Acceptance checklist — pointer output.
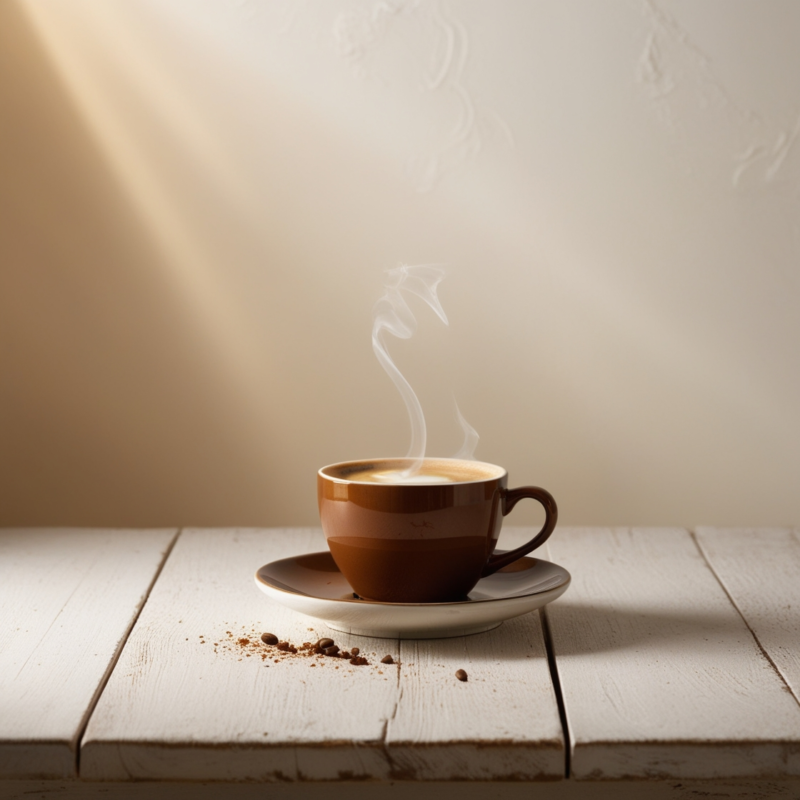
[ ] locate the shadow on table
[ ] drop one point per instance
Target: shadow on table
(581, 628)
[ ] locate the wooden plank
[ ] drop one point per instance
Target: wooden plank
(178, 709)
(660, 676)
(404, 790)
(760, 570)
(502, 724)
(67, 600)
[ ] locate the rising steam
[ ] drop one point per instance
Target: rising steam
(392, 314)
(467, 451)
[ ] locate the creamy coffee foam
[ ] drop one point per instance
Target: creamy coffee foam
(400, 471)
(395, 476)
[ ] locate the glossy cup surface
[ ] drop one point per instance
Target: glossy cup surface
(411, 543)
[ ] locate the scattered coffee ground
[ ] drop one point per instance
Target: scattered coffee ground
(272, 651)
(251, 643)
(461, 675)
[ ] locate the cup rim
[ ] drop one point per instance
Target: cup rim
(500, 472)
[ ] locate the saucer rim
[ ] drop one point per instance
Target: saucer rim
(363, 601)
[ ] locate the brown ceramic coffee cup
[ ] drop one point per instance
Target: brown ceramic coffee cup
(422, 538)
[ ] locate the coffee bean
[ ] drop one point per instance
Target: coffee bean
(323, 643)
(345, 654)
(355, 651)
(387, 660)
(331, 651)
(461, 675)
(269, 638)
(358, 661)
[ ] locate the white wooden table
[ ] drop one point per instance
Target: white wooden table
(671, 668)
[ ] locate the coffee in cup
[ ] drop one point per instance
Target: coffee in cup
(402, 531)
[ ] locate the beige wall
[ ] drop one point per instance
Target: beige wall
(198, 200)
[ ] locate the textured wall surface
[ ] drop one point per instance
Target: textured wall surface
(200, 198)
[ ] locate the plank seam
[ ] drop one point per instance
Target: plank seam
(384, 744)
(115, 658)
(733, 602)
(562, 708)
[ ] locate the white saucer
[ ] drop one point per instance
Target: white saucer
(313, 585)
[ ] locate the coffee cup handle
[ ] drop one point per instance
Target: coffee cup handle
(509, 499)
